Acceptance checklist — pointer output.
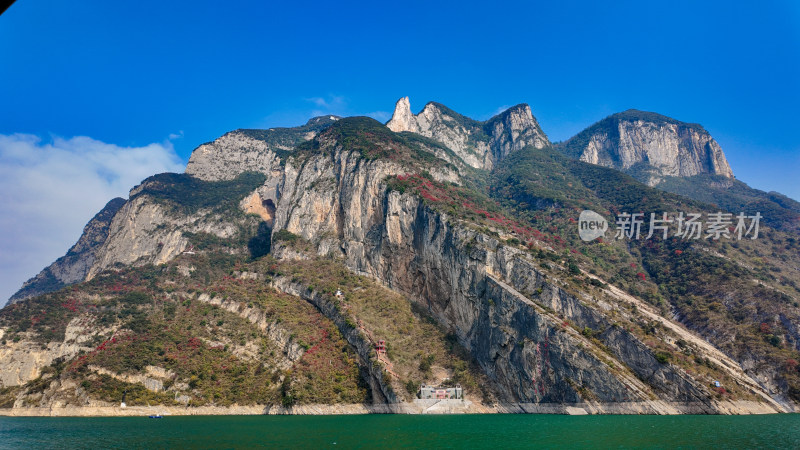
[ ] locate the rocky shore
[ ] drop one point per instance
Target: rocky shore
(418, 407)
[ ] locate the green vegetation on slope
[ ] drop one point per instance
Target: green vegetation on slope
(740, 295)
(292, 136)
(372, 140)
(188, 194)
(154, 316)
(779, 211)
(715, 286)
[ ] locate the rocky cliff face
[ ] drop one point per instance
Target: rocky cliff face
(77, 263)
(496, 301)
(231, 154)
(538, 338)
(479, 144)
(251, 150)
(144, 232)
(23, 360)
(139, 231)
(650, 146)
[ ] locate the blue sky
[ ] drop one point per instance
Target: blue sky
(164, 77)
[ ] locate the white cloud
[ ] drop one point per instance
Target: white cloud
(49, 190)
(319, 101)
(330, 104)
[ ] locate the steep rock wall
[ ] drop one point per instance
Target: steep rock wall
(473, 287)
(144, 231)
(669, 149)
(228, 156)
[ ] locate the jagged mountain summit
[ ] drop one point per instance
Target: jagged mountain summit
(649, 145)
(479, 144)
(348, 262)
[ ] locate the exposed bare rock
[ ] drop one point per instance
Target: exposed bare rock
(23, 361)
(153, 381)
(232, 154)
(291, 351)
(262, 208)
(539, 339)
(649, 146)
(479, 144)
(403, 119)
(144, 231)
(382, 388)
(475, 287)
(251, 150)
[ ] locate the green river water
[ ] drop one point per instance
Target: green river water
(404, 431)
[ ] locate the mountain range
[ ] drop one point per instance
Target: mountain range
(349, 262)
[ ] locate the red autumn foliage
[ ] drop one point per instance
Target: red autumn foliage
(456, 198)
(71, 305)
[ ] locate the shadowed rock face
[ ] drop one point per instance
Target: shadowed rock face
(75, 265)
(649, 146)
(479, 144)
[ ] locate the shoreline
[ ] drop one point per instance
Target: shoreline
(418, 407)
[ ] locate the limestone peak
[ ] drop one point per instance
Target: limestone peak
(402, 118)
(479, 144)
(649, 146)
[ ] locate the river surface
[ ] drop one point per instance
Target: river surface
(496, 431)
